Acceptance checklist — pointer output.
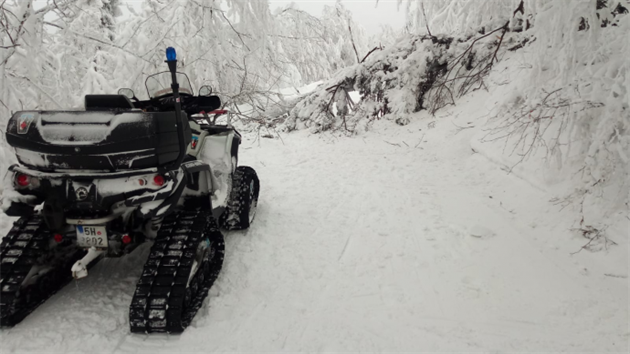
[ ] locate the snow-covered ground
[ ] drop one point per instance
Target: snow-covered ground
(400, 239)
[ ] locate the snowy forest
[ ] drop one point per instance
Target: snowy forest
(539, 88)
(568, 112)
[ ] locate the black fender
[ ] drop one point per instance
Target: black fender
(199, 186)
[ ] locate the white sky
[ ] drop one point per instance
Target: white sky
(364, 12)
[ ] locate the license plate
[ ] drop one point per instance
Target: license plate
(91, 236)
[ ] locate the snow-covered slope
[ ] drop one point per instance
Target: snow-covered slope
(401, 239)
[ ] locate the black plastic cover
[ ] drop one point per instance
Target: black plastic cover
(103, 140)
(107, 102)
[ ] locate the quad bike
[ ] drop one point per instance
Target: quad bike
(100, 182)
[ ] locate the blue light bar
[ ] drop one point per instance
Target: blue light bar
(171, 55)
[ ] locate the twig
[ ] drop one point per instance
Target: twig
(586, 230)
(616, 276)
(494, 56)
(5, 106)
(584, 247)
(459, 128)
(53, 25)
(370, 52)
(421, 140)
(235, 31)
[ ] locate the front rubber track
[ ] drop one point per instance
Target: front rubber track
(243, 201)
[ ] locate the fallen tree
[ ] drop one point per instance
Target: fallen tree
(418, 72)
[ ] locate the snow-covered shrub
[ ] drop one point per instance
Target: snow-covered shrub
(572, 111)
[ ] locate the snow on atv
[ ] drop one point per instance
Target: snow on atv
(98, 183)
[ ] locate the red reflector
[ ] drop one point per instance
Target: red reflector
(23, 180)
(158, 180)
(58, 238)
(142, 182)
(126, 239)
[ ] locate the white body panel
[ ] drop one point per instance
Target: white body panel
(216, 151)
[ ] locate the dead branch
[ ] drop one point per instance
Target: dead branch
(593, 234)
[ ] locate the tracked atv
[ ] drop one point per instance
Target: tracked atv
(100, 182)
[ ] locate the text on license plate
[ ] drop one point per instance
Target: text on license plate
(91, 236)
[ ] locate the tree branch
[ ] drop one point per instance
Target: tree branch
(425, 19)
(370, 52)
(235, 31)
(54, 6)
(353, 46)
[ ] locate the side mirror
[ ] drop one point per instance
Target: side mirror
(205, 90)
(127, 92)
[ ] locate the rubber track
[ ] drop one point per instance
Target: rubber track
(239, 201)
(162, 301)
(25, 246)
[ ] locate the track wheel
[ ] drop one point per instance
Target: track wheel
(241, 209)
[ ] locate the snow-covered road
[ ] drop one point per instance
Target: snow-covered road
(401, 240)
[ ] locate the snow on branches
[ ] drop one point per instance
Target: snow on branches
(571, 109)
(54, 54)
(319, 46)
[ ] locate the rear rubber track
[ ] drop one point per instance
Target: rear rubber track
(167, 297)
(30, 270)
